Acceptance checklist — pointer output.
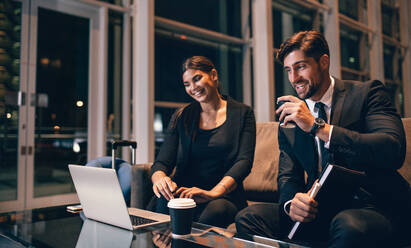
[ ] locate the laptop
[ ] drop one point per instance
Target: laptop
(97, 234)
(101, 198)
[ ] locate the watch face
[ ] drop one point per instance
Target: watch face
(319, 121)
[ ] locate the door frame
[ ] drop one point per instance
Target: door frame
(96, 126)
(98, 17)
(18, 204)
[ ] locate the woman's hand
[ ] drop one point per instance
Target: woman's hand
(163, 185)
(197, 194)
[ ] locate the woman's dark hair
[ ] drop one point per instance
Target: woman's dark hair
(192, 110)
(198, 63)
(312, 43)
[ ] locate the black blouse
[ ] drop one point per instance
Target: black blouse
(206, 159)
(227, 150)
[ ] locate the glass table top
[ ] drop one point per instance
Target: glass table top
(55, 227)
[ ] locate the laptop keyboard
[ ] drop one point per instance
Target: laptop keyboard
(137, 220)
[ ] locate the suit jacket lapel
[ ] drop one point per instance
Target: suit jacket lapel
(337, 102)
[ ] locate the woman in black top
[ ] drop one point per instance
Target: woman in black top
(210, 142)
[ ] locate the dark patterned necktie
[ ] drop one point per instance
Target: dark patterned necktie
(324, 151)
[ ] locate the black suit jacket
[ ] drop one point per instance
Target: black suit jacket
(175, 150)
(368, 135)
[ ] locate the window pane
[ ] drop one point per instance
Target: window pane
(222, 16)
(396, 94)
(354, 49)
(348, 75)
(286, 23)
(393, 76)
(170, 54)
(161, 120)
(10, 37)
(389, 52)
(390, 19)
(349, 8)
(116, 2)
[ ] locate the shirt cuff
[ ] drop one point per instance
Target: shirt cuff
(327, 144)
(287, 207)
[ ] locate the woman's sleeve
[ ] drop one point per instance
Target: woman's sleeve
(245, 156)
(166, 158)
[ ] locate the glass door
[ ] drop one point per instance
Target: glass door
(62, 55)
(61, 94)
(51, 67)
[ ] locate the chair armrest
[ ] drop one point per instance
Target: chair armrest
(141, 186)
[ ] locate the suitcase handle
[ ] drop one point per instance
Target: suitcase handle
(120, 143)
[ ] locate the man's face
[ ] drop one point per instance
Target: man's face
(304, 73)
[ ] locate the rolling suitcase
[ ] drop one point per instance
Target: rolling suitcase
(122, 168)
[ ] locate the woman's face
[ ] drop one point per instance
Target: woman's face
(201, 86)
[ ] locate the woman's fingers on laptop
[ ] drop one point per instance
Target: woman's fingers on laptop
(155, 190)
(164, 192)
(160, 190)
(165, 186)
(172, 186)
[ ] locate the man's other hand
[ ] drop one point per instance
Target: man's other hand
(303, 208)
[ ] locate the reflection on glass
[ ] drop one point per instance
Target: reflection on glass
(10, 27)
(96, 234)
(61, 100)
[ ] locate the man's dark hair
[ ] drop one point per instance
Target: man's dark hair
(312, 43)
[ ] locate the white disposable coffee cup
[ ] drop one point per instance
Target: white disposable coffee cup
(181, 214)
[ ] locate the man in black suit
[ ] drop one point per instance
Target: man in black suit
(351, 124)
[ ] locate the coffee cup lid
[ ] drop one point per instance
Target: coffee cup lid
(181, 203)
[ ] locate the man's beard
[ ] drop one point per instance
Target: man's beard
(312, 89)
(310, 93)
